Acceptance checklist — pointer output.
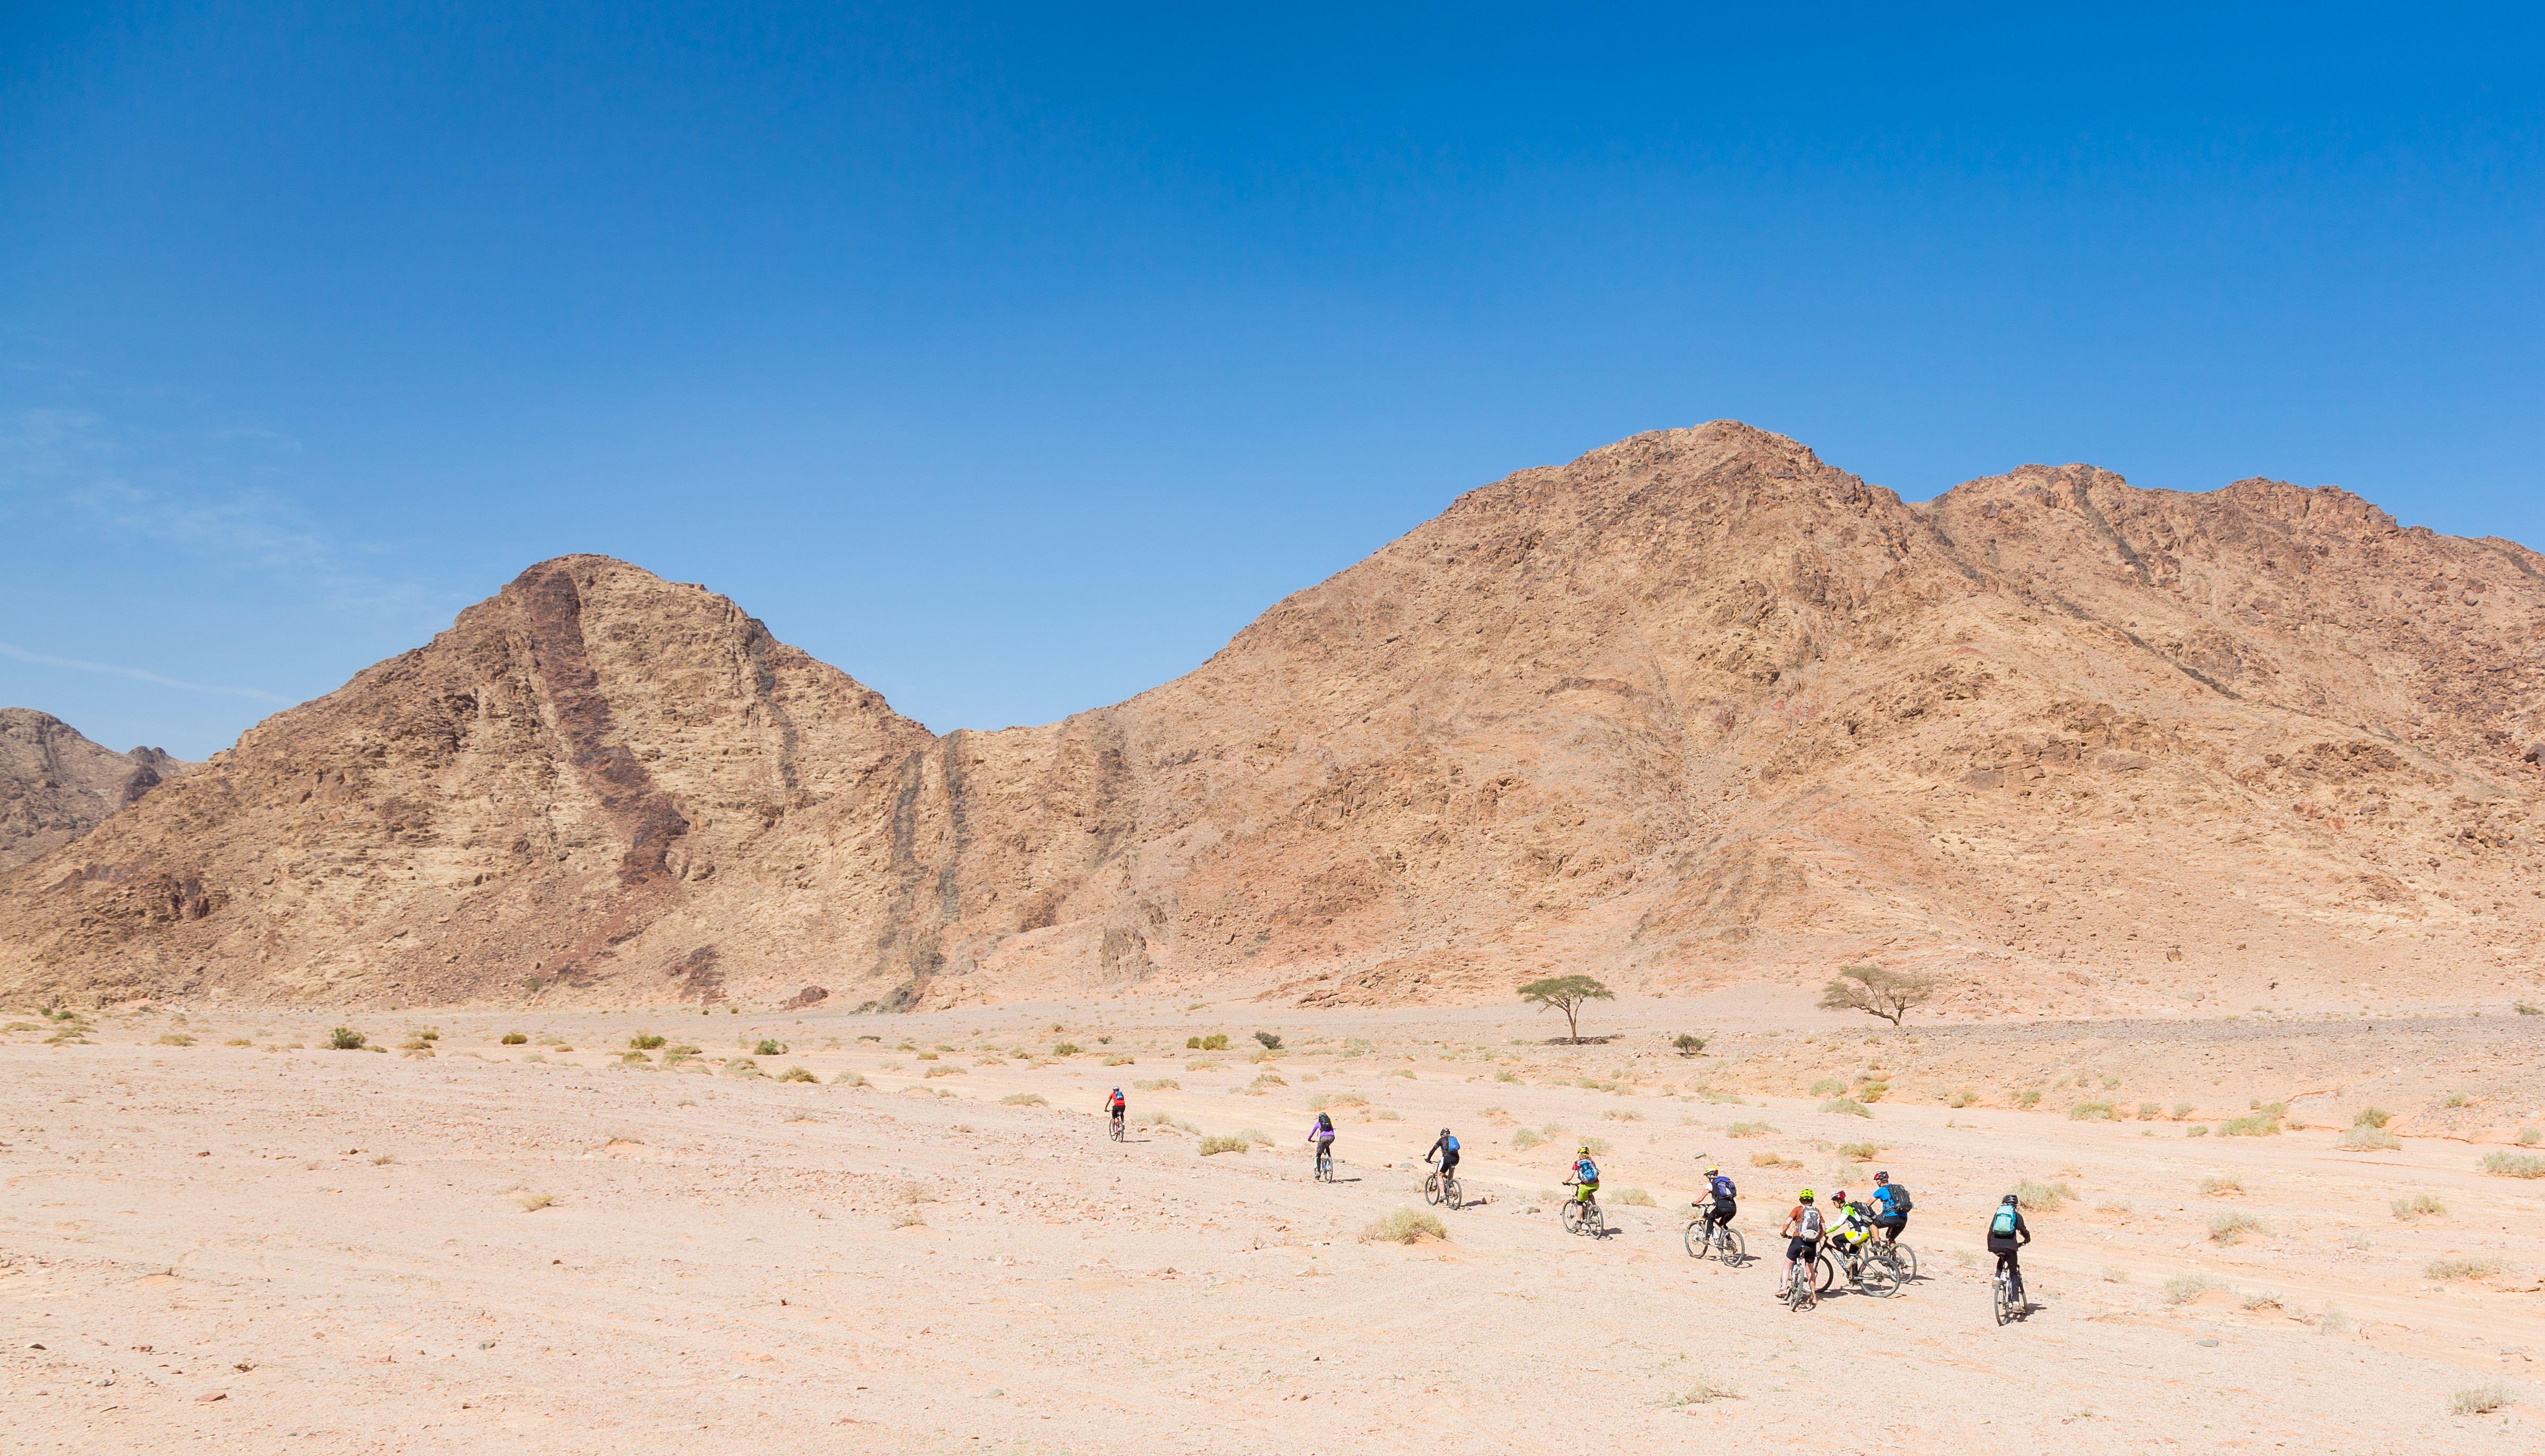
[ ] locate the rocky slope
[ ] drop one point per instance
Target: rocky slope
(1693, 708)
(55, 785)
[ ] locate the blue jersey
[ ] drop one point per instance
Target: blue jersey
(1888, 1195)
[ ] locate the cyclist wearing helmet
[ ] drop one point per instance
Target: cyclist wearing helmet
(1445, 1153)
(1890, 1207)
(1586, 1174)
(1719, 1214)
(1114, 1106)
(1803, 1229)
(2007, 1233)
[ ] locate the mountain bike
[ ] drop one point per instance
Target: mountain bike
(1902, 1256)
(1870, 1271)
(1582, 1216)
(1799, 1292)
(1116, 1131)
(2005, 1297)
(1324, 1162)
(1440, 1190)
(1721, 1240)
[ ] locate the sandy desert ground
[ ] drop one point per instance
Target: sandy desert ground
(933, 1247)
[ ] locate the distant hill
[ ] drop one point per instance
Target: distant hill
(1692, 710)
(55, 785)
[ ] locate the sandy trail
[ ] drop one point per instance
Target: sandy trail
(337, 1245)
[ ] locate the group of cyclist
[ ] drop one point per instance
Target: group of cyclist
(1882, 1214)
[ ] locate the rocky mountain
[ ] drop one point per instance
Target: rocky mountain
(1693, 709)
(55, 785)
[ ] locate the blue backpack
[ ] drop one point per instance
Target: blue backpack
(1723, 1188)
(1449, 1144)
(2004, 1223)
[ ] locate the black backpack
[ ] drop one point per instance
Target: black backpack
(1904, 1205)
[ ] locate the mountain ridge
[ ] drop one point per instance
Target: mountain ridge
(1692, 710)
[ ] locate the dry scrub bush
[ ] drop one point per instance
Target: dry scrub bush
(2150, 1111)
(175, 1038)
(1827, 1086)
(1962, 1097)
(2371, 1117)
(1387, 1114)
(798, 1074)
(1748, 1130)
(1404, 1226)
(941, 1071)
(1638, 1197)
(1064, 1048)
(2044, 1197)
(1117, 1059)
(1623, 1114)
(2258, 1125)
(1024, 1100)
(2184, 1288)
(1772, 1160)
(1212, 1145)
(1525, 1139)
(849, 1079)
(1860, 1152)
(1159, 1083)
(533, 1203)
(346, 1040)
(2482, 1399)
(2419, 1205)
(769, 1046)
(645, 1041)
(1846, 1106)
(2092, 1112)
(2514, 1164)
(2367, 1140)
(1706, 1392)
(2231, 1228)
(2448, 1269)
(2215, 1186)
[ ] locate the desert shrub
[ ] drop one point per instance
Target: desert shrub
(2150, 1111)
(1505, 1075)
(2419, 1205)
(2231, 1228)
(769, 1047)
(1117, 1059)
(2195, 1131)
(533, 1203)
(2031, 1098)
(798, 1074)
(1827, 1086)
(1706, 1392)
(1323, 1100)
(175, 1038)
(2482, 1399)
(1064, 1048)
(1262, 1084)
(2514, 1164)
(2527, 1008)
(2371, 1117)
(1687, 1044)
(942, 1071)
(346, 1040)
(1962, 1097)
(2365, 1139)
(1623, 1114)
(2258, 1125)
(2448, 1269)
(1387, 1114)
(1873, 1091)
(928, 1056)
(2214, 1187)
(1860, 1152)
(1256, 1136)
(1846, 1106)
(1405, 1072)
(1404, 1226)
(1272, 1041)
(1217, 1041)
(2453, 1100)
(1212, 1144)
(1024, 1100)
(1748, 1130)
(1159, 1083)
(645, 1041)
(2184, 1288)
(1525, 1139)
(1636, 1196)
(2092, 1112)
(2047, 1197)
(2255, 1304)
(1772, 1160)
(2527, 1136)
(240, 1041)
(515, 1038)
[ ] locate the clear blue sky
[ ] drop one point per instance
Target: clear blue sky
(1012, 359)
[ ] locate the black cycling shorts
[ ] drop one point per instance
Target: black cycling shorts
(1802, 1248)
(1894, 1222)
(1449, 1163)
(1721, 1212)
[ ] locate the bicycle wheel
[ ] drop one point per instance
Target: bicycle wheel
(1728, 1247)
(1904, 1259)
(1432, 1188)
(1593, 1222)
(1117, 1133)
(1454, 1197)
(1879, 1277)
(1572, 1216)
(1824, 1274)
(1694, 1238)
(1999, 1301)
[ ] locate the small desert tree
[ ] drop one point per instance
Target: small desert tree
(1876, 991)
(1567, 994)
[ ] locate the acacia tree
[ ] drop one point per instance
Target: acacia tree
(1567, 994)
(1876, 991)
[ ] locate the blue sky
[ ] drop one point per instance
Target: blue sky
(1013, 359)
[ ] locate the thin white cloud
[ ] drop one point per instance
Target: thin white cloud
(20, 654)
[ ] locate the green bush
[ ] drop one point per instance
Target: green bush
(1687, 1044)
(1272, 1041)
(346, 1040)
(797, 1073)
(2044, 1197)
(1860, 1152)
(2258, 1125)
(515, 1038)
(768, 1047)
(1064, 1049)
(645, 1041)
(2092, 1112)
(2371, 1117)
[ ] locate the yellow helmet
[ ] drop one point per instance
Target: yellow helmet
(1807, 1195)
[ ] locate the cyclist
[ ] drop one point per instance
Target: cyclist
(1891, 1207)
(1803, 1229)
(2007, 1233)
(1586, 1174)
(1115, 1107)
(1321, 1135)
(1445, 1153)
(1719, 1214)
